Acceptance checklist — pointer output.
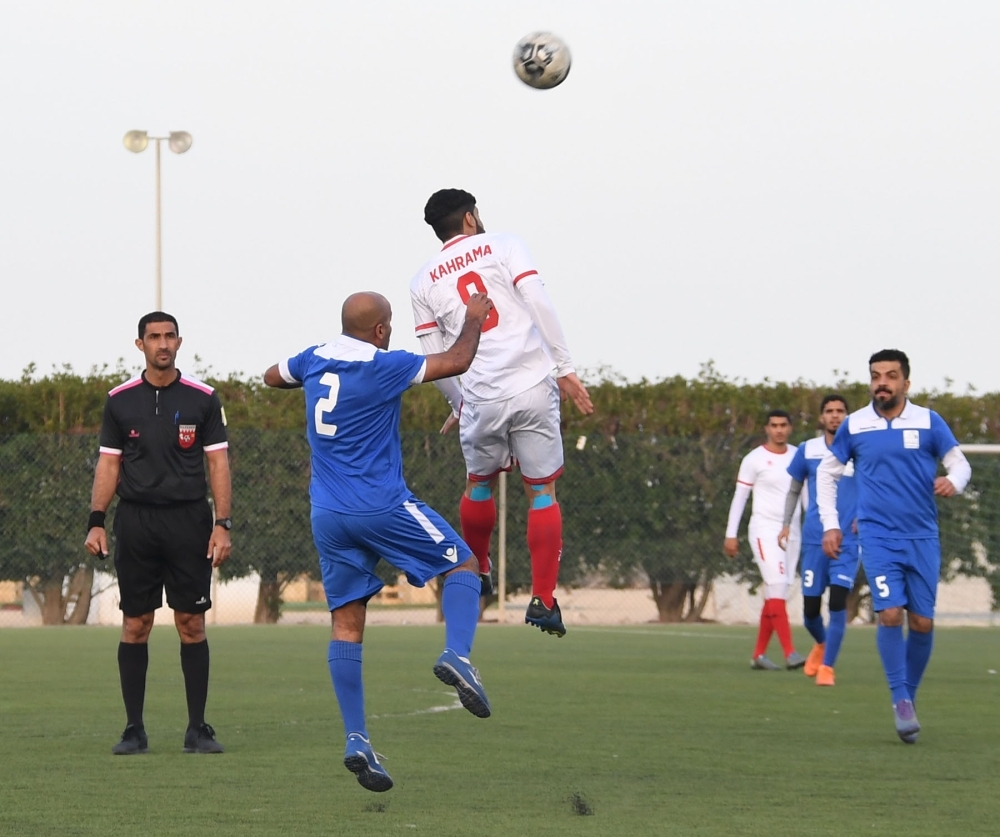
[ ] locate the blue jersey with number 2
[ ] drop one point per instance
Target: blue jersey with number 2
(353, 394)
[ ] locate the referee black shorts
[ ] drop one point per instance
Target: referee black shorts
(163, 546)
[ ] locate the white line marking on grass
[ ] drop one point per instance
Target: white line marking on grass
(431, 710)
(687, 634)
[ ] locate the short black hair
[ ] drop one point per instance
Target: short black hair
(779, 414)
(833, 396)
(445, 210)
(891, 355)
(156, 317)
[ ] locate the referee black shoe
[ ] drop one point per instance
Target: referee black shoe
(201, 739)
(134, 741)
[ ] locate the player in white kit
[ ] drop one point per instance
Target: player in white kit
(764, 473)
(507, 404)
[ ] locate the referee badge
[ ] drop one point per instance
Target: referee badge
(185, 434)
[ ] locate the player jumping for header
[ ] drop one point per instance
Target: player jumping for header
(362, 509)
(764, 471)
(895, 446)
(818, 572)
(507, 404)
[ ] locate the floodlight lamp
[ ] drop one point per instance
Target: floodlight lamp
(136, 141)
(180, 141)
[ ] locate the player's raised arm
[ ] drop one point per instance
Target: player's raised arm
(459, 357)
(274, 378)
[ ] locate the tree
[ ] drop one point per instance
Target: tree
(45, 483)
(273, 537)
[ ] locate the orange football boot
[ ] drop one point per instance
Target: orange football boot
(814, 660)
(824, 677)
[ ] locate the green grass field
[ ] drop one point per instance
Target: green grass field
(630, 731)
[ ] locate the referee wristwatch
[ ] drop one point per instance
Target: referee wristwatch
(225, 522)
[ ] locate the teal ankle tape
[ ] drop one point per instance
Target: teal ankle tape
(481, 492)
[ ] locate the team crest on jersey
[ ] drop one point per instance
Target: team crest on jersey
(186, 434)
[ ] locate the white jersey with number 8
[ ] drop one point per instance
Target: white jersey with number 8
(512, 357)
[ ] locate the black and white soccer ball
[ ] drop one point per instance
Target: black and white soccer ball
(541, 60)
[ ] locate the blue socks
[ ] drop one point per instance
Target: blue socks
(814, 624)
(892, 650)
(345, 671)
(460, 606)
(918, 653)
(834, 636)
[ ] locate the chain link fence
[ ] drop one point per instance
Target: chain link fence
(644, 518)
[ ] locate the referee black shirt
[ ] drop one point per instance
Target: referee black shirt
(161, 434)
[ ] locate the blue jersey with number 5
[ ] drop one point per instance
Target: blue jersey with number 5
(353, 394)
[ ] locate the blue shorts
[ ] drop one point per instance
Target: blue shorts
(412, 537)
(819, 572)
(903, 573)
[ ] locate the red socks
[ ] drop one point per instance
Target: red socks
(545, 547)
(774, 619)
(766, 629)
(478, 518)
(779, 617)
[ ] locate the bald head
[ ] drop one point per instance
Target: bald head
(366, 316)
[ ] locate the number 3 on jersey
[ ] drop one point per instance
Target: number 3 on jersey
(326, 405)
(472, 283)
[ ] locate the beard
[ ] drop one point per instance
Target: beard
(887, 400)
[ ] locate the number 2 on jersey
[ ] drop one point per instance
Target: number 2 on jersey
(326, 405)
(472, 283)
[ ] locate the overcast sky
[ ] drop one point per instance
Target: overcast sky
(782, 187)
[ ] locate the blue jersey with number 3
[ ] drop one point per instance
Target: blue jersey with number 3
(803, 469)
(895, 463)
(353, 394)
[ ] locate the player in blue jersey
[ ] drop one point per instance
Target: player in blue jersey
(362, 509)
(895, 446)
(818, 572)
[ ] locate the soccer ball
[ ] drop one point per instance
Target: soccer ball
(541, 60)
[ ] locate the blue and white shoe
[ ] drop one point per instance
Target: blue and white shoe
(907, 725)
(459, 672)
(362, 761)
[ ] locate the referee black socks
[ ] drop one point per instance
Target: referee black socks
(133, 660)
(194, 664)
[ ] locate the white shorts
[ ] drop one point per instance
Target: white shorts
(524, 429)
(776, 565)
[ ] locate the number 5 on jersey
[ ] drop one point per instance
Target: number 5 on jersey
(472, 283)
(326, 405)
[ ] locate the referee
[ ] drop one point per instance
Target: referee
(158, 429)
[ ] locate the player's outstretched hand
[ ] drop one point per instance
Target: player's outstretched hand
(219, 546)
(944, 487)
(478, 308)
(97, 542)
(449, 423)
(832, 538)
(731, 546)
(571, 387)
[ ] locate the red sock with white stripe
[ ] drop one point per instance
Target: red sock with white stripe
(779, 615)
(766, 629)
(478, 517)
(545, 547)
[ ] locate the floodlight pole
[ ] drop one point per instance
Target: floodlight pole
(178, 142)
(159, 234)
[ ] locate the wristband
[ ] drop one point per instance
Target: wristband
(96, 519)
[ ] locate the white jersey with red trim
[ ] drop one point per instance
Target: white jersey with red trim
(512, 357)
(766, 473)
